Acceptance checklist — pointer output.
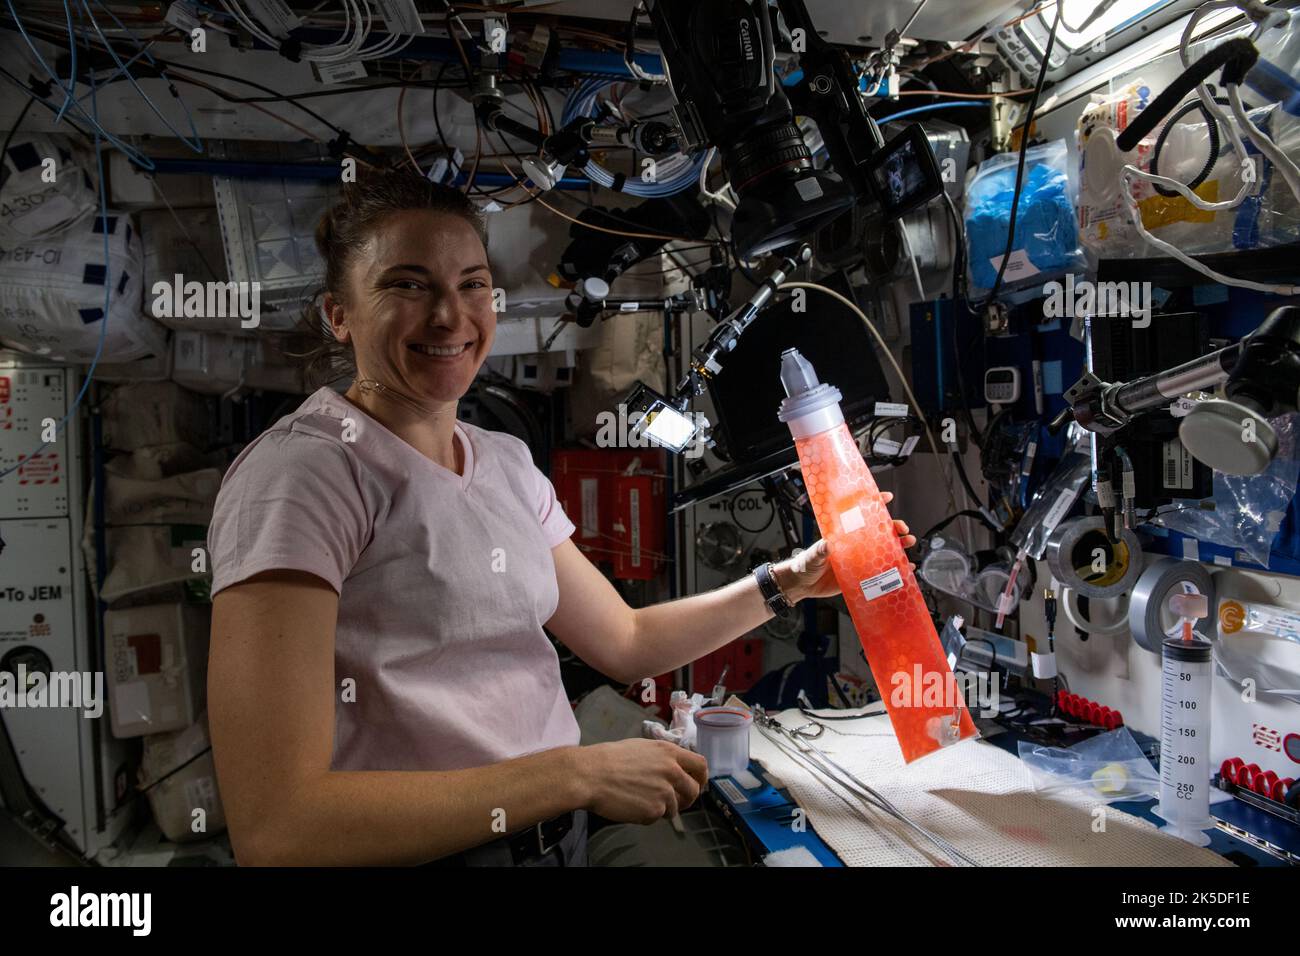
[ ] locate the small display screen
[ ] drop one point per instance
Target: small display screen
(652, 418)
(904, 174)
(668, 428)
(901, 177)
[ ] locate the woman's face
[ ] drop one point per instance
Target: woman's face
(418, 306)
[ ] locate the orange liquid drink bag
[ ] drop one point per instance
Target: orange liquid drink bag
(923, 698)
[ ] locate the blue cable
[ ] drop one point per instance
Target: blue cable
(197, 144)
(930, 107)
(108, 293)
(129, 151)
(70, 101)
(72, 70)
(578, 104)
(72, 80)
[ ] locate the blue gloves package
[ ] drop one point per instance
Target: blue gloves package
(1046, 243)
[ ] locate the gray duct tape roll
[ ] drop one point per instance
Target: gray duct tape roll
(1072, 549)
(1070, 608)
(1149, 618)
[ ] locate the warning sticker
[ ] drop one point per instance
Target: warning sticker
(39, 470)
(881, 584)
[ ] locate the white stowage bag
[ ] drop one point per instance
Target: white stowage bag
(33, 207)
(1268, 216)
(178, 774)
(52, 294)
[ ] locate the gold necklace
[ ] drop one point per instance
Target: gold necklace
(379, 388)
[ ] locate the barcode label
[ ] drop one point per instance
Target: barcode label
(339, 72)
(881, 584)
(891, 410)
(1178, 466)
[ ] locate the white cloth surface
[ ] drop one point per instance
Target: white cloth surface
(974, 795)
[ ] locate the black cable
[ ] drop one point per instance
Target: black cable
(1049, 615)
(1235, 57)
(968, 513)
(175, 770)
(231, 98)
(1212, 127)
(9, 137)
(876, 430)
(959, 294)
(993, 651)
(965, 479)
(159, 64)
(1097, 11)
(35, 98)
(1024, 151)
(442, 138)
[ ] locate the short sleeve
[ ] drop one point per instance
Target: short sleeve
(292, 502)
(556, 525)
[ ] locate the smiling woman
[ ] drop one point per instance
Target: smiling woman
(348, 231)
(381, 688)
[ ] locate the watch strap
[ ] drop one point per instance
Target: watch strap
(773, 596)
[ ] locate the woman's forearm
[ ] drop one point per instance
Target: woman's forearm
(672, 634)
(359, 818)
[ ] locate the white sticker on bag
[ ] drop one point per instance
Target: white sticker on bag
(1018, 265)
(852, 520)
(1063, 504)
(881, 584)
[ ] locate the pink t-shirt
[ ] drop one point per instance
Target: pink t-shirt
(444, 582)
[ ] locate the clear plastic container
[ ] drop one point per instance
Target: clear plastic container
(923, 699)
(722, 738)
(1185, 739)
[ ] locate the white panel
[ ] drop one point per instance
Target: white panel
(37, 611)
(39, 488)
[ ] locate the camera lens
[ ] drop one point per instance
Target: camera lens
(770, 149)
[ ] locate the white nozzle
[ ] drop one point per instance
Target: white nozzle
(810, 406)
(797, 374)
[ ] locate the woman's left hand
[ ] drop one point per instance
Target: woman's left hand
(808, 573)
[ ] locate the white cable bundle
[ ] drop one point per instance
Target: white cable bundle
(358, 19)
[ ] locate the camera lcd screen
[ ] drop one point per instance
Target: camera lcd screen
(904, 174)
(901, 177)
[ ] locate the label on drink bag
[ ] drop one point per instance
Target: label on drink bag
(886, 582)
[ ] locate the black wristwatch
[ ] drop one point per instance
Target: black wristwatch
(775, 598)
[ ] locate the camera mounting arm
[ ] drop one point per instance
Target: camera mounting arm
(704, 360)
(1260, 376)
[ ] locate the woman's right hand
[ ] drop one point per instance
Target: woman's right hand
(641, 781)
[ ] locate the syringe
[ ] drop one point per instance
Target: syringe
(1185, 739)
